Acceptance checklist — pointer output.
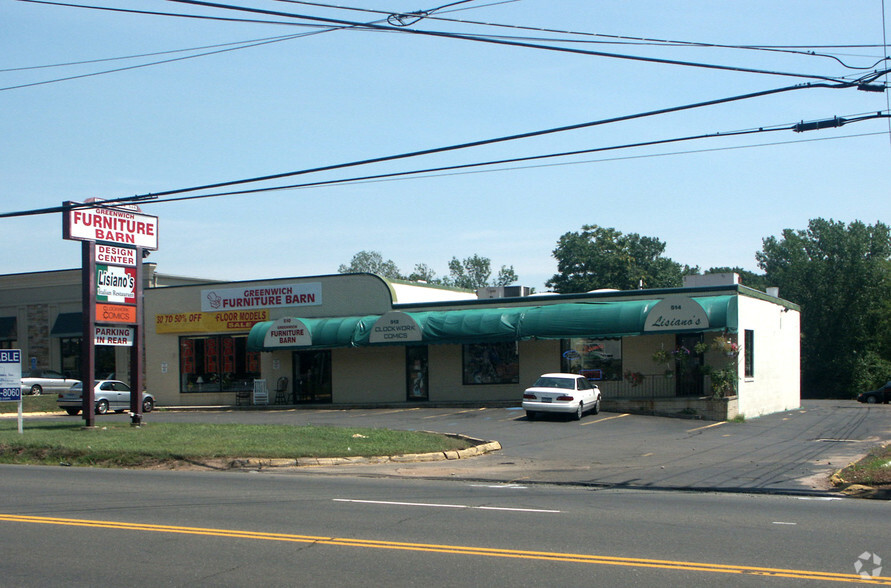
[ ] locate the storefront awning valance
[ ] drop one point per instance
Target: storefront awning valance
(68, 324)
(325, 333)
(7, 328)
(593, 319)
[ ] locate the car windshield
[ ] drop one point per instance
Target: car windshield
(562, 383)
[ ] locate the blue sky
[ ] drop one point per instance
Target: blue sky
(350, 95)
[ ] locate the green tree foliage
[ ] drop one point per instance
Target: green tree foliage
(840, 275)
(372, 262)
(471, 273)
(599, 257)
(474, 272)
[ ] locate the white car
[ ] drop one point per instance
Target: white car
(108, 395)
(562, 393)
(38, 381)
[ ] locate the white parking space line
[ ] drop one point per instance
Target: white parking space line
(707, 426)
(433, 505)
(618, 416)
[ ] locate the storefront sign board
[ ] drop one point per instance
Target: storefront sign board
(112, 255)
(116, 336)
(116, 313)
(222, 299)
(115, 284)
(395, 327)
(209, 322)
(676, 313)
(111, 225)
(288, 332)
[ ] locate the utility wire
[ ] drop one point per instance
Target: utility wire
(441, 34)
(467, 166)
(611, 39)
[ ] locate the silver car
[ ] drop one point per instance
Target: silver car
(38, 381)
(109, 395)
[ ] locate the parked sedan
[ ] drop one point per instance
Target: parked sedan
(882, 395)
(39, 381)
(561, 393)
(109, 395)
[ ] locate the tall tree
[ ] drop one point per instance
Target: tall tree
(599, 257)
(840, 276)
(474, 272)
(372, 262)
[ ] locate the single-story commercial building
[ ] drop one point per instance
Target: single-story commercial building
(713, 348)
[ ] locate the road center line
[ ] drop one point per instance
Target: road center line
(433, 505)
(464, 550)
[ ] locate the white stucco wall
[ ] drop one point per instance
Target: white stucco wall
(776, 384)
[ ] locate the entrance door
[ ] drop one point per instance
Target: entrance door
(312, 377)
(688, 366)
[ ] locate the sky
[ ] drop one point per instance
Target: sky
(332, 95)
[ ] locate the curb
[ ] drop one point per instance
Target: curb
(858, 490)
(480, 447)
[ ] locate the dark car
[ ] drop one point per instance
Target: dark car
(882, 395)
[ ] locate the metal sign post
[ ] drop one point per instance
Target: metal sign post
(113, 240)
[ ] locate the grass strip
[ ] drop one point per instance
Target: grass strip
(122, 445)
(874, 469)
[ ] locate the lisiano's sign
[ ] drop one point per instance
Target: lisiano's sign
(307, 294)
(115, 284)
(676, 313)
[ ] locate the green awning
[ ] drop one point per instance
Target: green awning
(68, 324)
(324, 333)
(617, 318)
(7, 328)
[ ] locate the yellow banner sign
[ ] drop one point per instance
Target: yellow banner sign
(209, 322)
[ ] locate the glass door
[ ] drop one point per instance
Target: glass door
(312, 377)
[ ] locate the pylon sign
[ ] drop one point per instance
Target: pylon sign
(113, 239)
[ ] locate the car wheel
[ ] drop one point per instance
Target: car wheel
(530, 415)
(871, 399)
(596, 407)
(36, 390)
(147, 405)
(102, 407)
(578, 412)
(72, 411)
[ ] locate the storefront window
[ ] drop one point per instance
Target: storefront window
(416, 372)
(217, 363)
(491, 363)
(596, 359)
(70, 351)
(749, 354)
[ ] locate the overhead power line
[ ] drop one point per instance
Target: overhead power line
(479, 39)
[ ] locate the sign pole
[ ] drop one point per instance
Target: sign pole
(136, 350)
(88, 344)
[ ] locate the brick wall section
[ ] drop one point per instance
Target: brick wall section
(38, 334)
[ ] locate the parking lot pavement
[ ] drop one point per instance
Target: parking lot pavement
(794, 451)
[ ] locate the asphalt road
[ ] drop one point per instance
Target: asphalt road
(89, 527)
(790, 452)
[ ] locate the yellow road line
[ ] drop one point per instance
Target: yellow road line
(618, 416)
(458, 550)
(707, 426)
